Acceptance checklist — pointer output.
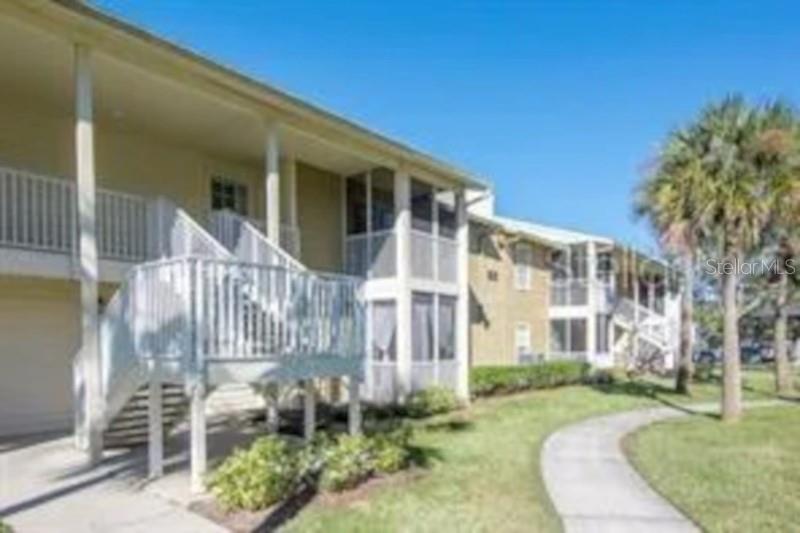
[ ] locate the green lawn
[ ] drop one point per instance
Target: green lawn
(727, 477)
(483, 472)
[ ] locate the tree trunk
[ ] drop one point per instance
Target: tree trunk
(731, 370)
(683, 377)
(783, 371)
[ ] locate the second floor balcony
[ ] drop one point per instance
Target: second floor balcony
(38, 214)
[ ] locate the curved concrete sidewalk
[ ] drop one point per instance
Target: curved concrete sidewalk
(595, 489)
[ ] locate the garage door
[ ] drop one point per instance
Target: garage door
(39, 333)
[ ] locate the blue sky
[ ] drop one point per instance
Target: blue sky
(560, 104)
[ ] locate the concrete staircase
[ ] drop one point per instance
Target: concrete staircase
(130, 426)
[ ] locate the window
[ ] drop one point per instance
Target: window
(446, 207)
(605, 266)
(422, 327)
(421, 206)
(601, 333)
(577, 259)
(577, 335)
(558, 265)
(384, 331)
(568, 335)
(523, 266)
(356, 200)
(228, 194)
(382, 189)
(559, 342)
(522, 342)
(447, 327)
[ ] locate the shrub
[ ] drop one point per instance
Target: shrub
(492, 380)
(5, 528)
(390, 451)
(606, 376)
(347, 463)
(270, 470)
(431, 401)
(256, 477)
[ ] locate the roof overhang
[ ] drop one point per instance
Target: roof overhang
(85, 24)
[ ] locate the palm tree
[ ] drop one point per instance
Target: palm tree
(738, 209)
(778, 159)
(673, 200)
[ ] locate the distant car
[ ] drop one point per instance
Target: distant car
(707, 356)
(750, 355)
(767, 354)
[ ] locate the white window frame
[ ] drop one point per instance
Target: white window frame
(522, 329)
(523, 266)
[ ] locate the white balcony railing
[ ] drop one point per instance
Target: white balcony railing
(569, 292)
(371, 255)
(40, 213)
(442, 373)
(433, 258)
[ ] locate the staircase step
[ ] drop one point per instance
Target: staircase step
(131, 425)
(142, 412)
(142, 422)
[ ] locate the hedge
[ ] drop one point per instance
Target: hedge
(431, 401)
(492, 380)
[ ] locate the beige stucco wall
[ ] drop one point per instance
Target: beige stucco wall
(39, 335)
(319, 214)
(496, 306)
(35, 371)
(40, 139)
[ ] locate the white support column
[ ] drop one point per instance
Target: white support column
(354, 406)
(87, 249)
(462, 308)
(198, 436)
(155, 448)
(272, 200)
(309, 409)
(591, 301)
(402, 199)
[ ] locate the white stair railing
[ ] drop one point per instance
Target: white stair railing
(190, 311)
(646, 321)
(176, 234)
(253, 311)
(146, 319)
(148, 313)
(248, 243)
